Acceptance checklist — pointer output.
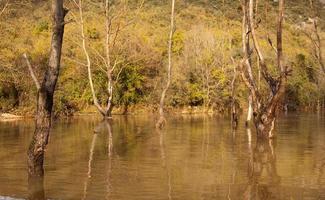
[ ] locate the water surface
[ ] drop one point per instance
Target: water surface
(195, 157)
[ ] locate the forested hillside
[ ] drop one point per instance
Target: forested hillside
(207, 37)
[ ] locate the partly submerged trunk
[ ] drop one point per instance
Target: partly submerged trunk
(250, 111)
(264, 125)
(265, 115)
(160, 123)
(234, 112)
(45, 94)
(40, 138)
(106, 112)
(264, 110)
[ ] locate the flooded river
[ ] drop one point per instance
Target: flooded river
(195, 157)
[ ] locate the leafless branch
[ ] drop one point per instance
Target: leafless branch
(75, 61)
(271, 44)
(4, 8)
(37, 84)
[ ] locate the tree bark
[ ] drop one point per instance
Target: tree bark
(109, 67)
(105, 111)
(250, 111)
(264, 112)
(45, 94)
(234, 114)
(160, 123)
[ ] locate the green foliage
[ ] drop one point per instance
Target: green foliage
(130, 85)
(205, 39)
(8, 97)
(42, 26)
(302, 90)
(195, 95)
(178, 42)
(93, 33)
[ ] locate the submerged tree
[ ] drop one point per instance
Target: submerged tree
(160, 123)
(112, 15)
(45, 92)
(104, 111)
(264, 110)
(234, 112)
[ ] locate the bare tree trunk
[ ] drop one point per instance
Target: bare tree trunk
(160, 123)
(105, 112)
(109, 106)
(264, 112)
(250, 111)
(234, 114)
(45, 94)
(84, 47)
(319, 46)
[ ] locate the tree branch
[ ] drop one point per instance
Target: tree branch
(31, 71)
(4, 8)
(271, 44)
(267, 76)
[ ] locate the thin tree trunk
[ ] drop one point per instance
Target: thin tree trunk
(108, 62)
(259, 74)
(250, 111)
(234, 115)
(104, 112)
(45, 94)
(162, 119)
(319, 47)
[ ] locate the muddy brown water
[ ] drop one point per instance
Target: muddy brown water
(195, 157)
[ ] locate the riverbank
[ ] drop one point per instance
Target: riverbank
(139, 109)
(10, 117)
(131, 110)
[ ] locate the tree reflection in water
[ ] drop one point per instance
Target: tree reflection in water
(109, 153)
(90, 160)
(164, 161)
(36, 188)
(262, 170)
(99, 128)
